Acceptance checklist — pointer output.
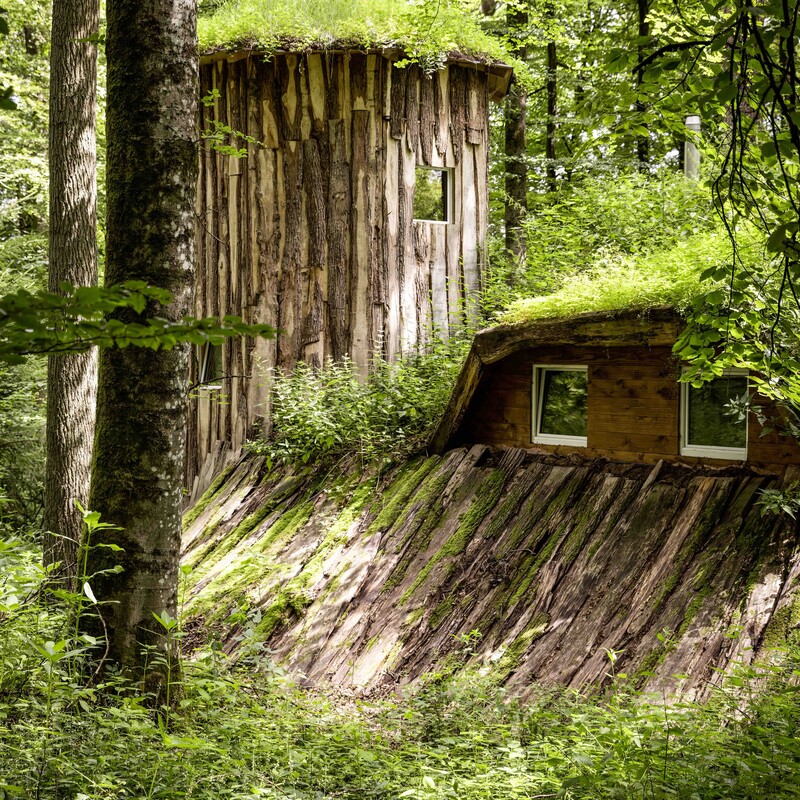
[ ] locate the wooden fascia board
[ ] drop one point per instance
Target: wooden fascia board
(657, 329)
(467, 383)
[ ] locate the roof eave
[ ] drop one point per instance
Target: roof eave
(499, 73)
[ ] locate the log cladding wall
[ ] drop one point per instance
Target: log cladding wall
(313, 231)
(633, 406)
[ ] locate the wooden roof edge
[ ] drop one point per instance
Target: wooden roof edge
(460, 398)
(499, 72)
(658, 326)
(655, 327)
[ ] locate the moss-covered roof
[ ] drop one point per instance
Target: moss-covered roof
(427, 32)
(663, 278)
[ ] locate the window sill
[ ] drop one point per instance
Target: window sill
(571, 441)
(723, 453)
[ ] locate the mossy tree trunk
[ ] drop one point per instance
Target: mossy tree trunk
(141, 410)
(71, 380)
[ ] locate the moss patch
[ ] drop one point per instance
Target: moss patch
(269, 24)
(514, 653)
(484, 500)
(202, 504)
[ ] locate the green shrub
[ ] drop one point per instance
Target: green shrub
(245, 730)
(323, 414)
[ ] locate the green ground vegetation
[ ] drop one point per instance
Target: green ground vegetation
(246, 730)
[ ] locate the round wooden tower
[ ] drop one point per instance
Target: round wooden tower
(355, 223)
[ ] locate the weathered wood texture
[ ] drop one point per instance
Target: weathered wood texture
(314, 233)
(551, 561)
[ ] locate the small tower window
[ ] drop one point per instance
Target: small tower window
(433, 194)
(714, 417)
(559, 405)
(210, 373)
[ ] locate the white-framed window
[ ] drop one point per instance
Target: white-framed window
(560, 395)
(433, 194)
(713, 417)
(209, 360)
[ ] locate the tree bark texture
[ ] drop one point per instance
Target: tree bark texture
(141, 410)
(72, 379)
(314, 233)
(516, 181)
(643, 30)
(552, 111)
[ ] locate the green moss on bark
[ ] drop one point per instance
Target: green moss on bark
(485, 498)
(202, 504)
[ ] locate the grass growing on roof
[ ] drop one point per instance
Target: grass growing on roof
(665, 277)
(425, 30)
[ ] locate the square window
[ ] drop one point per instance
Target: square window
(209, 358)
(560, 396)
(433, 194)
(713, 419)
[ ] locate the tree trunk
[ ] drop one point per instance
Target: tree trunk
(71, 380)
(516, 166)
(552, 111)
(643, 30)
(142, 396)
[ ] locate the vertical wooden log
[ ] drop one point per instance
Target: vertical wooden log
(407, 264)
(269, 133)
(412, 106)
(475, 123)
(469, 233)
(427, 117)
(361, 228)
(334, 67)
(422, 234)
(458, 103)
(316, 228)
(378, 279)
(438, 262)
(289, 296)
(441, 106)
(290, 93)
(397, 111)
(339, 200)
(217, 415)
(358, 81)
(234, 432)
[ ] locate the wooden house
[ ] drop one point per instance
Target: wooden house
(604, 385)
(355, 224)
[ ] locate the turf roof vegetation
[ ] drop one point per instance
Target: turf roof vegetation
(666, 277)
(426, 30)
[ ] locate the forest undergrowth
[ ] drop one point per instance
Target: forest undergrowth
(242, 728)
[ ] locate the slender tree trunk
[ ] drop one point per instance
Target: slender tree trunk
(643, 30)
(552, 111)
(516, 166)
(71, 380)
(142, 397)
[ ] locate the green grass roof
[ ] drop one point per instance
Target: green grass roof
(425, 30)
(666, 277)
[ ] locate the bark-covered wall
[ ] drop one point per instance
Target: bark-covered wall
(368, 582)
(313, 232)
